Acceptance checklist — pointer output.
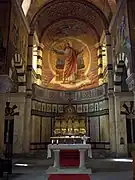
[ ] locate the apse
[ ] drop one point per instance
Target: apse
(70, 32)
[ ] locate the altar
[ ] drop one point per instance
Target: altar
(68, 146)
(73, 154)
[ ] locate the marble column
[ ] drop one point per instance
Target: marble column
(3, 99)
(110, 93)
(56, 158)
(39, 63)
(117, 118)
(27, 119)
(121, 132)
(82, 159)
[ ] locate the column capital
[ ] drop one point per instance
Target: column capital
(107, 32)
(82, 150)
(41, 45)
(98, 45)
(56, 150)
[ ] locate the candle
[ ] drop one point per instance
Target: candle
(57, 141)
(52, 141)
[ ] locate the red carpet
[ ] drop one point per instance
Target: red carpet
(69, 177)
(69, 158)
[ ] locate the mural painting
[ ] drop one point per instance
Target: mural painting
(69, 65)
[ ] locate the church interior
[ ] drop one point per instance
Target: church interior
(67, 70)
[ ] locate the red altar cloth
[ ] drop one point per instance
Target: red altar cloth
(69, 158)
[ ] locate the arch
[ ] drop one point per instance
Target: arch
(49, 4)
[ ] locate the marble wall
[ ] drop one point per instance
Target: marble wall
(45, 106)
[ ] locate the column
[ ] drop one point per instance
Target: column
(3, 100)
(56, 158)
(87, 124)
(27, 119)
(100, 65)
(82, 158)
(39, 63)
(121, 132)
(117, 118)
(110, 93)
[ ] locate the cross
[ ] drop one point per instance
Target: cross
(70, 96)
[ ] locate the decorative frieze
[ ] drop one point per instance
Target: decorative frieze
(54, 96)
(59, 108)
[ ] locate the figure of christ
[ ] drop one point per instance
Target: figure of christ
(70, 65)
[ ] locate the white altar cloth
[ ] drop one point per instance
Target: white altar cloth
(69, 146)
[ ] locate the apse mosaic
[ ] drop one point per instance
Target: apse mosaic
(70, 64)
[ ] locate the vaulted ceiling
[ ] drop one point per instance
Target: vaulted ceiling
(53, 19)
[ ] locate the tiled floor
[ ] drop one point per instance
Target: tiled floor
(102, 170)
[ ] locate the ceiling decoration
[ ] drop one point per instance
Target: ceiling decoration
(106, 6)
(72, 28)
(57, 11)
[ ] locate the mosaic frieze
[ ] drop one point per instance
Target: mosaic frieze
(54, 107)
(85, 108)
(43, 107)
(79, 108)
(58, 96)
(91, 107)
(60, 108)
(48, 108)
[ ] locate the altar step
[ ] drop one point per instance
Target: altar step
(42, 154)
(53, 170)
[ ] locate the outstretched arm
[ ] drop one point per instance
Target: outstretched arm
(57, 51)
(81, 50)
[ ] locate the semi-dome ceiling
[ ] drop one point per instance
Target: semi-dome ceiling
(72, 28)
(106, 6)
(69, 16)
(79, 22)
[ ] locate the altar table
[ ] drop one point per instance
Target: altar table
(57, 148)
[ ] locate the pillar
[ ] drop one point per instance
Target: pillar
(27, 119)
(82, 158)
(3, 100)
(100, 65)
(39, 63)
(56, 158)
(121, 132)
(110, 94)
